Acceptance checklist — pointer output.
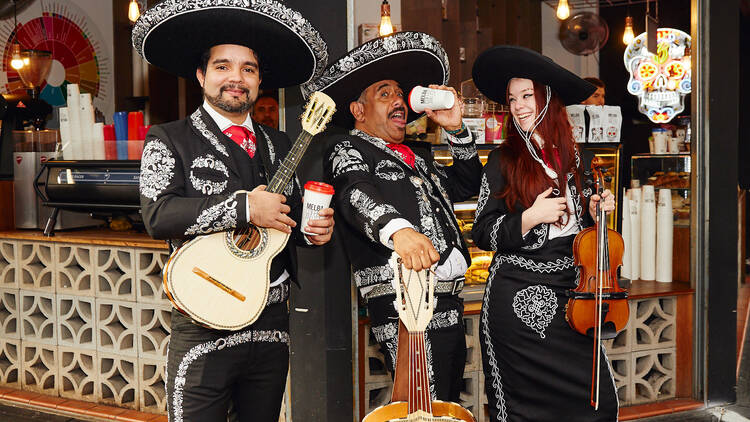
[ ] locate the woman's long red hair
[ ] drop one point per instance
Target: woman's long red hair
(525, 177)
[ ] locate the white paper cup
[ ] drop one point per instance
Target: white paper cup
(421, 98)
(317, 197)
(660, 142)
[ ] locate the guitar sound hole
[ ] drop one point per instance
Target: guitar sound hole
(247, 239)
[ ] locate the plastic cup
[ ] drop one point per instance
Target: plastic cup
(421, 98)
(317, 197)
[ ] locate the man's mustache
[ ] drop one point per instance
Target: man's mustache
(400, 108)
(234, 87)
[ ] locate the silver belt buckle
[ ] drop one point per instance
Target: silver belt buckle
(458, 285)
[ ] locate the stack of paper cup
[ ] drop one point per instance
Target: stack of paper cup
(635, 232)
(74, 121)
(65, 134)
(664, 235)
(648, 233)
(317, 197)
(627, 263)
(87, 126)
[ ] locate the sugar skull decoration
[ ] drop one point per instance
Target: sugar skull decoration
(661, 80)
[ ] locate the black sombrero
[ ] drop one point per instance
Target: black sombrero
(409, 58)
(173, 34)
(496, 66)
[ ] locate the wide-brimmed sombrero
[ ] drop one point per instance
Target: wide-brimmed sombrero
(173, 34)
(409, 58)
(496, 66)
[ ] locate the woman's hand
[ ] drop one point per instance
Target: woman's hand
(608, 205)
(544, 210)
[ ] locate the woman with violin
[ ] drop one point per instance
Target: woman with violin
(536, 195)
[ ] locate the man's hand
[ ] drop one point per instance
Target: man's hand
(322, 227)
(415, 249)
(449, 119)
(269, 210)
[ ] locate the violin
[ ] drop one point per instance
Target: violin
(598, 307)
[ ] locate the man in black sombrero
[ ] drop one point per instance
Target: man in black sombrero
(206, 173)
(396, 197)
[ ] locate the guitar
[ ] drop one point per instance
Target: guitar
(414, 302)
(209, 277)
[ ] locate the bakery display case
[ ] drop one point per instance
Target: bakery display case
(666, 171)
(610, 157)
(480, 260)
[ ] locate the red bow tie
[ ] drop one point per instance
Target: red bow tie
(243, 137)
(404, 152)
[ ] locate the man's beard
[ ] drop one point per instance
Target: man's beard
(228, 105)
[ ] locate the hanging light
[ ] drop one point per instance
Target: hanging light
(563, 10)
(386, 27)
(628, 35)
(15, 59)
(133, 11)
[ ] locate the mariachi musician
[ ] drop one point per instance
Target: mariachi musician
(395, 196)
(192, 171)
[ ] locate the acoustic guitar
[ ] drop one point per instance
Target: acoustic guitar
(415, 293)
(221, 280)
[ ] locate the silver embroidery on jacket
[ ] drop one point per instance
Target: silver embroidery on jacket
(495, 232)
(157, 169)
(535, 306)
(426, 219)
(548, 267)
(373, 275)
(369, 209)
(208, 187)
(388, 170)
(541, 236)
(463, 151)
(220, 217)
(484, 194)
(201, 126)
(494, 369)
(268, 336)
(345, 158)
(269, 145)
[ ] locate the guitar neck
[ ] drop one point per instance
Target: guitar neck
(419, 380)
(286, 170)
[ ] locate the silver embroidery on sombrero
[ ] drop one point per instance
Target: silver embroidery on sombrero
(376, 50)
(157, 169)
(291, 19)
(256, 336)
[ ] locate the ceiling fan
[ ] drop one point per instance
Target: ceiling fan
(584, 33)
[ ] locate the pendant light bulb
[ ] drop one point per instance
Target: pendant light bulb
(563, 10)
(628, 35)
(133, 11)
(386, 27)
(16, 62)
